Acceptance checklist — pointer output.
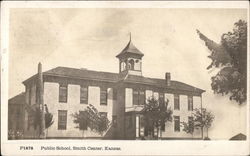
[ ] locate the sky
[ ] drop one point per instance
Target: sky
(91, 38)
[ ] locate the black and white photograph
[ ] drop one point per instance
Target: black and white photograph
(118, 73)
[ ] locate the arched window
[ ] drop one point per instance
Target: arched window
(123, 66)
(132, 64)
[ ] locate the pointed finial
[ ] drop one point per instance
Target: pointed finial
(129, 36)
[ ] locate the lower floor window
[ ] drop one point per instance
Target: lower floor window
(62, 119)
(176, 123)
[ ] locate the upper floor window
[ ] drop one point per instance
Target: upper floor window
(176, 102)
(142, 97)
(176, 123)
(190, 103)
(138, 97)
(63, 93)
(103, 96)
(62, 119)
(135, 97)
(161, 98)
(84, 94)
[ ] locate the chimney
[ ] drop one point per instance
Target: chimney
(168, 78)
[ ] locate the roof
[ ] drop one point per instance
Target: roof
(82, 74)
(175, 85)
(239, 136)
(18, 99)
(115, 77)
(130, 49)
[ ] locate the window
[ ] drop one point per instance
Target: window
(191, 122)
(176, 123)
(103, 96)
(190, 103)
(176, 102)
(132, 64)
(63, 93)
(138, 97)
(142, 98)
(84, 94)
(135, 97)
(161, 99)
(83, 125)
(62, 119)
(123, 66)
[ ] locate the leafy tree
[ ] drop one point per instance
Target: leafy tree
(201, 119)
(35, 113)
(230, 56)
(156, 114)
(188, 127)
(48, 118)
(91, 118)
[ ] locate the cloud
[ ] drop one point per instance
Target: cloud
(114, 23)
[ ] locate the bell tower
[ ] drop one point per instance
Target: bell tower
(130, 60)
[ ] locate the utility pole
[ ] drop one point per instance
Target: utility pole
(41, 102)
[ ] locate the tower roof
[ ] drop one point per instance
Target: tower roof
(130, 49)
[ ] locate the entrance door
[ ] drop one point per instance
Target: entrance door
(145, 128)
(150, 130)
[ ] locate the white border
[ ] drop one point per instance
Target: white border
(172, 147)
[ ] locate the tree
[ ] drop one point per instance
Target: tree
(156, 114)
(201, 119)
(35, 113)
(91, 118)
(188, 127)
(48, 118)
(230, 56)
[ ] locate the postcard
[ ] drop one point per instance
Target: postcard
(125, 78)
